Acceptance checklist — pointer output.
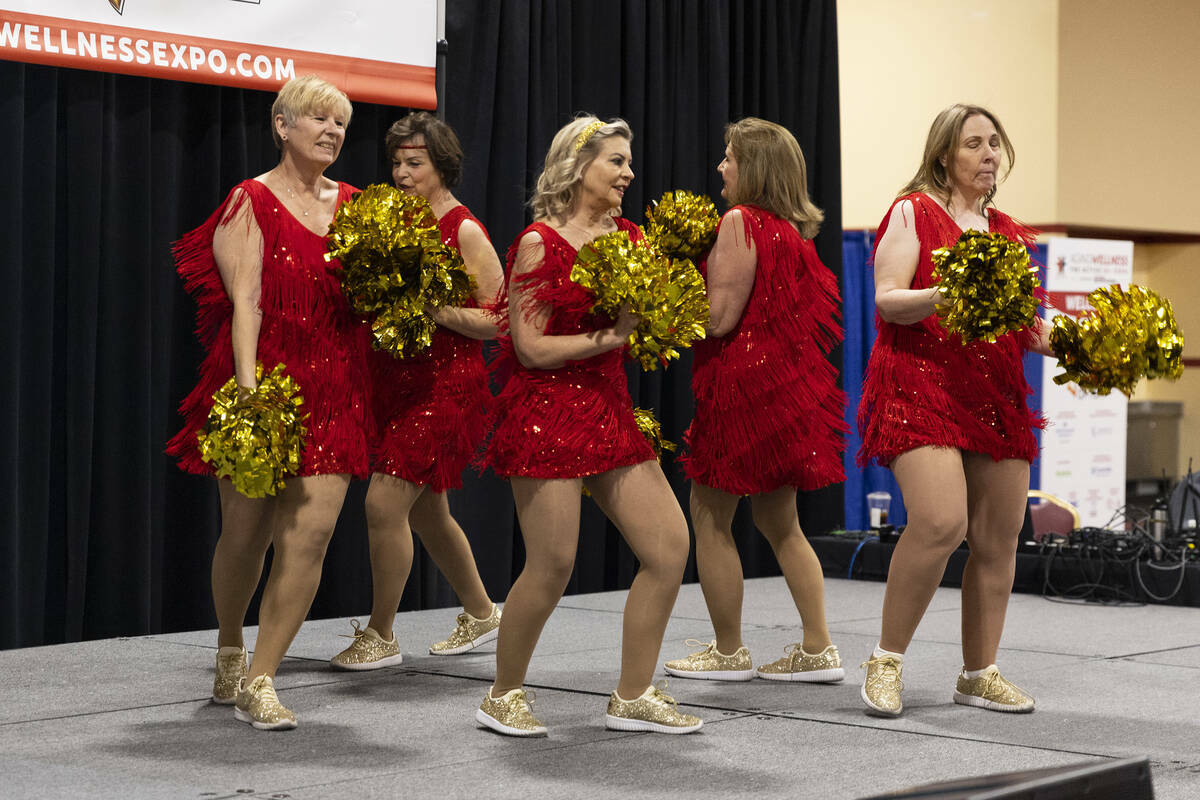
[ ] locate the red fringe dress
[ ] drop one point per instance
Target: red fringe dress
(574, 420)
(306, 324)
(432, 407)
(923, 388)
(768, 409)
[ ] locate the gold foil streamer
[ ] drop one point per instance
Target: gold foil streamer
(395, 265)
(255, 440)
(989, 285)
(1128, 335)
(667, 293)
(682, 224)
(652, 430)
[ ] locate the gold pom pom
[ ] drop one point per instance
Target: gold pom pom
(990, 286)
(652, 430)
(682, 225)
(1128, 335)
(668, 294)
(395, 265)
(255, 439)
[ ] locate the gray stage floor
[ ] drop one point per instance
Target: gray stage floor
(131, 717)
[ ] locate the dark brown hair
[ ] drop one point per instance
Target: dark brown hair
(440, 142)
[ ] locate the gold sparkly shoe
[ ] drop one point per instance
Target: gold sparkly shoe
(509, 714)
(367, 651)
(798, 665)
(882, 686)
(655, 711)
(231, 667)
(470, 633)
(711, 664)
(258, 704)
(992, 691)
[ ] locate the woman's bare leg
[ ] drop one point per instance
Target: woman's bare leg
(996, 492)
(640, 503)
(389, 500)
(307, 511)
(718, 563)
(935, 496)
(238, 559)
(776, 517)
(548, 511)
(447, 545)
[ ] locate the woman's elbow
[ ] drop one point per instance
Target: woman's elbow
(247, 301)
(717, 328)
(886, 311)
(532, 358)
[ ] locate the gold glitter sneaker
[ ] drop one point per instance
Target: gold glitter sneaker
(799, 665)
(258, 704)
(471, 632)
(882, 687)
(711, 664)
(231, 667)
(510, 714)
(655, 711)
(992, 691)
(367, 651)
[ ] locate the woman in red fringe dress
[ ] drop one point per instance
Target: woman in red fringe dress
(265, 293)
(432, 411)
(564, 421)
(769, 414)
(949, 419)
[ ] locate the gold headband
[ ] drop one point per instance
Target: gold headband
(586, 134)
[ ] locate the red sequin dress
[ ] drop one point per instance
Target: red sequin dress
(924, 388)
(768, 409)
(306, 324)
(574, 420)
(432, 407)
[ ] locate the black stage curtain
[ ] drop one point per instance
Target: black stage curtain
(103, 536)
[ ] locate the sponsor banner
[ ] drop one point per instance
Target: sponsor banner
(1083, 449)
(377, 51)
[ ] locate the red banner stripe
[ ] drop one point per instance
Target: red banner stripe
(132, 51)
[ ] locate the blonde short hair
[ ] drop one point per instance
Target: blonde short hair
(933, 176)
(771, 173)
(306, 95)
(555, 192)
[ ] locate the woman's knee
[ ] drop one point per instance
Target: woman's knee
(552, 569)
(997, 543)
(942, 530)
(668, 554)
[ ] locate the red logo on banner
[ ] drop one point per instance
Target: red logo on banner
(1073, 303)
(118, 6)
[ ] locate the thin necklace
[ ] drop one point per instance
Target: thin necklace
(589, 233)
(297, 199)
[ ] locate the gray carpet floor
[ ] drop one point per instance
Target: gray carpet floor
(131, 718)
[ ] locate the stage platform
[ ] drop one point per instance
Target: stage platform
(131, 718)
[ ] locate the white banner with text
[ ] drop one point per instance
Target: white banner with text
(1083, 448)
(377, 51)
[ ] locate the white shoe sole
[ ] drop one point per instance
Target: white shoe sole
(242, 716)
(490, 636)
(712, 675)
(812, 676)
(623, 724)
(390, 661)
(874, 710)
(224, 701)
(488, 721)
(979, 702)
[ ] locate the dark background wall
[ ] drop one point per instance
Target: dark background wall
(101, 535)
